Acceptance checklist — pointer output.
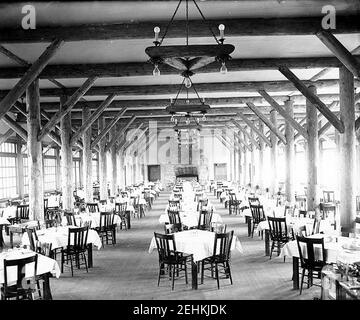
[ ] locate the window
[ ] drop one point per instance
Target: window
(8, 179)
(49, 174)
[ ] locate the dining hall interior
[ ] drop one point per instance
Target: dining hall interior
(180, 150)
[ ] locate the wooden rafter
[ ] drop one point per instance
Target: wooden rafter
(16, 127)
(93, 117)
(120, 134)
(32, 73)
(139, 138)
(284, 114)
(244, 131)
(108, 128)
(68, 105)
(240, 139)
(337, 48)
(267, 122)
(325, 127)
(197, 28)
(313, 98)
(6, 136)
(253, 127)
(126, 143)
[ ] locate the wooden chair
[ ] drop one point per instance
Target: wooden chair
(316, 225)
(22, 213)
(93, 207)
(107, 228)
(327, 210)
(25, 286)
(218, 227)
(75, 250)
(70, 218)
(312, 263)
(329, 196)
(301, 203)
(301, 231)
(204, 222)
(120, 210)
(175, 220)
(254, 201)
(202, 203)
(220, 258)
(278, 233)
(234, 204)
(258, 215)
(169, 258)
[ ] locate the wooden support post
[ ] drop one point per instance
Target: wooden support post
(35, 160)
(66, 159)
(252, 162)
(87, 157)
(58, 169)
(289, 154)
(246, 165)
(312, 153)
(20, 167)
(102, 162)
(261, 157)
(113, 183)
(274, 151)
(347, 153)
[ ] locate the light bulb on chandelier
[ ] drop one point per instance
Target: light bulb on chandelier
(156, 71)
(223, 69)
(203, 117)
(187, 83)
(172, 118)
(187, 120)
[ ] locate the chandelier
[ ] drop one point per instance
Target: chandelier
(188, 110)
(188, 58)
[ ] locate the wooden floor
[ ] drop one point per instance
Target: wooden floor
(128, 271)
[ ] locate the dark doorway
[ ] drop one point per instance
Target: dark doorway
(154, 172)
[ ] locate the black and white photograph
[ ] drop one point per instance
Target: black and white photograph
(162, 153)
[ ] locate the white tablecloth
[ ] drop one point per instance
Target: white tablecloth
(44, 264)
(190, 219)
(58, 237)
(4, 221)
(335, 251)
(9, 212)
(199, 243)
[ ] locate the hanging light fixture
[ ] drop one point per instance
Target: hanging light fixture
(187, 110)
(189, 57)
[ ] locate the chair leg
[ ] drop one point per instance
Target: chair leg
(173, 277)
(62, 262)
(229, 271)
(217, 275)
(86, 266)
(160, 268)
(186, 276)
(71, 264)
(202, 272)
(302, 280)
(272, 248)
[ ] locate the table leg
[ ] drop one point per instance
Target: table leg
(295, 273)
(90, 255)
(46, 287)
(194, 274)
(267, 242)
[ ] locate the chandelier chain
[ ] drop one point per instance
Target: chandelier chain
(170, 22)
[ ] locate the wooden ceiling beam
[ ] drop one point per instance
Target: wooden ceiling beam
(322, 131)
(129, 69)
(32, 73)
(244, 131)
(69, 104)
(6, 136)
(93, 117)
(253, 127)
(240, 139)
(108, 128)
(313, 98)
(15, 126)
(267, 122)
(202, 88)
(197, 28)
(284, 114)
(337, 48)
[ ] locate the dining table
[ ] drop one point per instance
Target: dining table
(57, 237)
(338, 249)
(46, 267)
(199, 244)
(20, 228)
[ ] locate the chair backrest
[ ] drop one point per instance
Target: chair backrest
(301, 202)
(257, 213)
(316, 225)
(313, 256)
(26, 273)
(174, 203)
(106, 219)
(300, 231)
(202, 203)
(120, 208)
(70, 218)
(77, 238)
(204, 219)
(165, 244)
(222, 245)
(93, 207)
(46, 202)
(33, 238)
(329, 196)
(254, 201)
(174, 217)
(277, 229)
(22, 211)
